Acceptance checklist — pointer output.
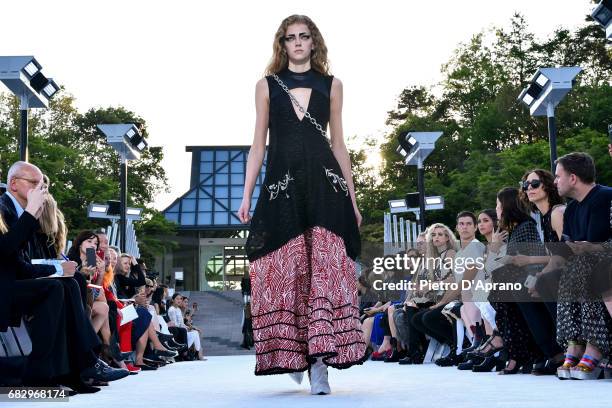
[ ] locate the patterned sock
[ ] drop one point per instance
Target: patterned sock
(570, 360)
(588, 362)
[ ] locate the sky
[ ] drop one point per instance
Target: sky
(189, 68)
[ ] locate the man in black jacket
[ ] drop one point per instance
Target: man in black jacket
(41, 300)
(81, 339)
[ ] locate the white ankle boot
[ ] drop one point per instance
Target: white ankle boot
(297, 376)
(319, 384)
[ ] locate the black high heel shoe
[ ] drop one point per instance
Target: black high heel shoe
(523, 367)
(395, 355)
(549, 367)
(470, 363)
(492, 362)
(415, 358)
(492, 349)
(452, 359)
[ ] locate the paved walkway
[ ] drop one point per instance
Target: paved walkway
(229, 382)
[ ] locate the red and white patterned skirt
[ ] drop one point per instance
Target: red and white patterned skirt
(304, 305)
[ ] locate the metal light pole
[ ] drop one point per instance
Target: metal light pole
(415, 147)
(123, 216)
(129, 143)
(421, 188)
(552, 135)
(23, 130)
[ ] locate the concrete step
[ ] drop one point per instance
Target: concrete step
(219, 316)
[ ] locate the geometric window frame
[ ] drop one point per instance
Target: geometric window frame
(211, 202)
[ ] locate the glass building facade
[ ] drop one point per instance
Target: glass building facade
(217, 183)
(211, 238)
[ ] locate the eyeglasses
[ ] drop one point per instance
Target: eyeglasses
(533, 183)
(148, 286)
(31, 181)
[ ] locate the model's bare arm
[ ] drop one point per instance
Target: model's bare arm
(337, 140)
(258, 148)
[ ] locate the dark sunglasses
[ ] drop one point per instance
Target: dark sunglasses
(534, 184)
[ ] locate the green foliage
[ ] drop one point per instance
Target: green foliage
(489, 139)
(155, 235)
(83, 168)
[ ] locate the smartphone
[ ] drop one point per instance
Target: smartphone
(91, 257)
(530, 282)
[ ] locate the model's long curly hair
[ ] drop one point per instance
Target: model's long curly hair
(318, 58)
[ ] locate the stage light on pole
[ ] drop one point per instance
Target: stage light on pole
(23, 76)
(97, 210)
(545, 91)
(127, 140)
(417, 146)
(412, 204)
(602, 14)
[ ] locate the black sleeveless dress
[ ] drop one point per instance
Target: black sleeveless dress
(303, 241)
(304, 185)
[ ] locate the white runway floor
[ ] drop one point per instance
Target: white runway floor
(229, 382)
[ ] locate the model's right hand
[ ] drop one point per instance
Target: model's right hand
(243, 211)
(36, 199)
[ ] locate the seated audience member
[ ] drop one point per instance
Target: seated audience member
(93, 297)
(177, 320)
(376, 327)
(414, 342)
(584, 326)
(513, 309)
(39, 298)
(539, 196)
(442, 250)
(161, 326)
(128, 277)
(471, 255)
(486, 356)
(80, 338)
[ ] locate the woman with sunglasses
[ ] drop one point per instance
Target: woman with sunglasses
(539, 194)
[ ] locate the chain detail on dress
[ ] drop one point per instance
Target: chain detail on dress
(335, 179)
(302, 110)
(275, 188)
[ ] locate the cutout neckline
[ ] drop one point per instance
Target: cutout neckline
(296, 110)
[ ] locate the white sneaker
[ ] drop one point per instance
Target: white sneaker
(319, 384)
(297, 377)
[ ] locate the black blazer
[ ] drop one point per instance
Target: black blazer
(15, 257)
